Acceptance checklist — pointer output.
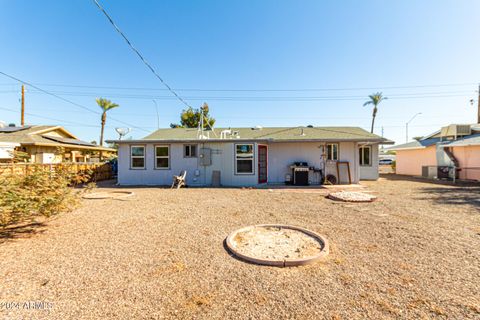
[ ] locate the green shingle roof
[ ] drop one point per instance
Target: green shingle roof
(272, 133)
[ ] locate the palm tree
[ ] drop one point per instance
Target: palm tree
(105, 105)
(375, 99)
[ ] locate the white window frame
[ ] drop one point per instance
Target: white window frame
(137, 157)
(362, 156)
(252, 158)
(161, 157)
(330, 156)
(189, 147)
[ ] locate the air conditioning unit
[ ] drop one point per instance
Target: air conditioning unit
(429, 172)
(456, 130)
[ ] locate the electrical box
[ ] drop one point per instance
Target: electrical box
(205, 157)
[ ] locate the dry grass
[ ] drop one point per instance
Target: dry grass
(413, 254)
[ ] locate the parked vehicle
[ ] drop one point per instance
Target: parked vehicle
(385, 161)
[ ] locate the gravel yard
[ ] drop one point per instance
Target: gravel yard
(414, 253)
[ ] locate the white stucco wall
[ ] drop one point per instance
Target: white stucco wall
(222, 160)
(280, 157)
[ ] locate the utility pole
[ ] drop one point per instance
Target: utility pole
(478, 102)
(22, 117)
(406, 126)
(382, 136)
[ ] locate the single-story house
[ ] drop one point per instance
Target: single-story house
(453, 148)
(43, 143)
(250, 156)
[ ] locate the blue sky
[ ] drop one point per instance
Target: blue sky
(354, 47)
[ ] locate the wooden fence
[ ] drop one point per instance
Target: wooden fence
(96, 171)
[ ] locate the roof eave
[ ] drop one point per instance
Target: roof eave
(71, 146)
(409, 148)
(143, 141)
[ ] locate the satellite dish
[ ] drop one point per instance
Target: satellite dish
(122, 132)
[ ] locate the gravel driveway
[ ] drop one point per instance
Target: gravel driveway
(413, 254)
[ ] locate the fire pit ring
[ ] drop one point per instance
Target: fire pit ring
(351, 196)
(277, 245)
(117, 194)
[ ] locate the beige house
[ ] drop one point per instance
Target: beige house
(48, 144)
(452, 149)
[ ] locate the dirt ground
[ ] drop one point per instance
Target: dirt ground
(412, 254)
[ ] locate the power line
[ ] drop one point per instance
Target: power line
(71, 123)
(48, 118)
(66, 100)
(421, 95)
(140, 55)
(256, 96)
(260, 90)
(234, 117)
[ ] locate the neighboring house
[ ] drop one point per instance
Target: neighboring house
(454, 148)
(43, 143)
(248, 156)
(6, 150)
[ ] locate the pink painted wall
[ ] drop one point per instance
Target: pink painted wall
(468, 156)
(410, 162)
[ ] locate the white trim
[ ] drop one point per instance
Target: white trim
(362, 156)
(161, 157)
(338, 151)
(190, 145)
(138, 157)
(252, 159)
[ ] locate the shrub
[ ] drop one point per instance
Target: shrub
(394, 166)
(42, 192)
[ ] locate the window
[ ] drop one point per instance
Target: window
(190, 151)
(137, 157)
(244, 159)
(332, 151)
(162, 157)
(365, 155)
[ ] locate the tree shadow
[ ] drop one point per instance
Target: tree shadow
(444, 192)
(400, 177)
(21, 231)
(453, 195)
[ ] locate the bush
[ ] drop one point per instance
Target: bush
(42, 192)
(394, 166)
